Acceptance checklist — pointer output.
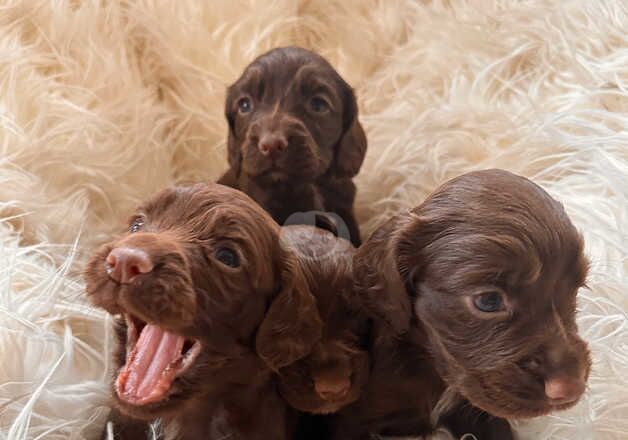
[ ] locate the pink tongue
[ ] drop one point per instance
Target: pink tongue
(146, 376)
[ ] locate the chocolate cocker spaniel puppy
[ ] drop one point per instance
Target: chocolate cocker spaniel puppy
(473, 299)
(209, 305)
(295, 141)
(333, 374)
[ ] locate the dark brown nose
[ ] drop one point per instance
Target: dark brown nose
(329, 389)
(271, 144)
(124, 263)
(562, 390)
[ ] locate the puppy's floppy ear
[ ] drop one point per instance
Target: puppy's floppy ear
(384, 270)
(234, 154)
(351, 148)
(292, 324)
(410, 242)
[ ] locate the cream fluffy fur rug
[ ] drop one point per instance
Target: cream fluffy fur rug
(104, 102)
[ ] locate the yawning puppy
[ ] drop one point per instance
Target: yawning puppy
(473, 297)
(295, 141)
(210, 304)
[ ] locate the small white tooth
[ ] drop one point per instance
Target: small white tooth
(190, 355)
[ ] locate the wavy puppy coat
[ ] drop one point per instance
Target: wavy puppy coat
(210, 304)
(335, 372)
(473, 295)
(295, 141)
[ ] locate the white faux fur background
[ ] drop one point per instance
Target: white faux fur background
(102, 102)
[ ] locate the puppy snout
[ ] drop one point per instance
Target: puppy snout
(271, 144)
(564, 390)
(565, 368)
(123, 264)
(329, 389)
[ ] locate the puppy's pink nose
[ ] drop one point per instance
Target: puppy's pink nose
(562, 390)
(272, 144)
(332, 389)
(123, 264)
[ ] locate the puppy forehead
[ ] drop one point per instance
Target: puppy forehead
(494, 218)
(512, 261)
(275, 75)
(206, 208)
(289, 60)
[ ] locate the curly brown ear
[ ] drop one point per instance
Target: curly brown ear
(234, 154)
(383, 280)
(351, 148)
(292, 324)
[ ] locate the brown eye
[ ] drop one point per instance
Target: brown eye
(228, 257)
(489, 302)
(245, 105)
(319, 105)
(137, 225)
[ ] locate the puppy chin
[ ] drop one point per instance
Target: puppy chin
(519, 410)
(509, 405)
(307, 400)
(256, 166)
(165, 409)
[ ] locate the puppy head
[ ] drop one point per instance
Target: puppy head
(333, 374)
(200, 278)
(291, 116)
(490, 265)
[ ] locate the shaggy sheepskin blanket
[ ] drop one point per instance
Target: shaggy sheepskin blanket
(104, 102)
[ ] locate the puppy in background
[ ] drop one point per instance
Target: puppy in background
(295, 141)
(209, 304)
(473, 299)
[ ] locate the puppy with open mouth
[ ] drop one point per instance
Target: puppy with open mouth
(209, 305)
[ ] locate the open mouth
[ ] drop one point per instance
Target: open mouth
(154, 359)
